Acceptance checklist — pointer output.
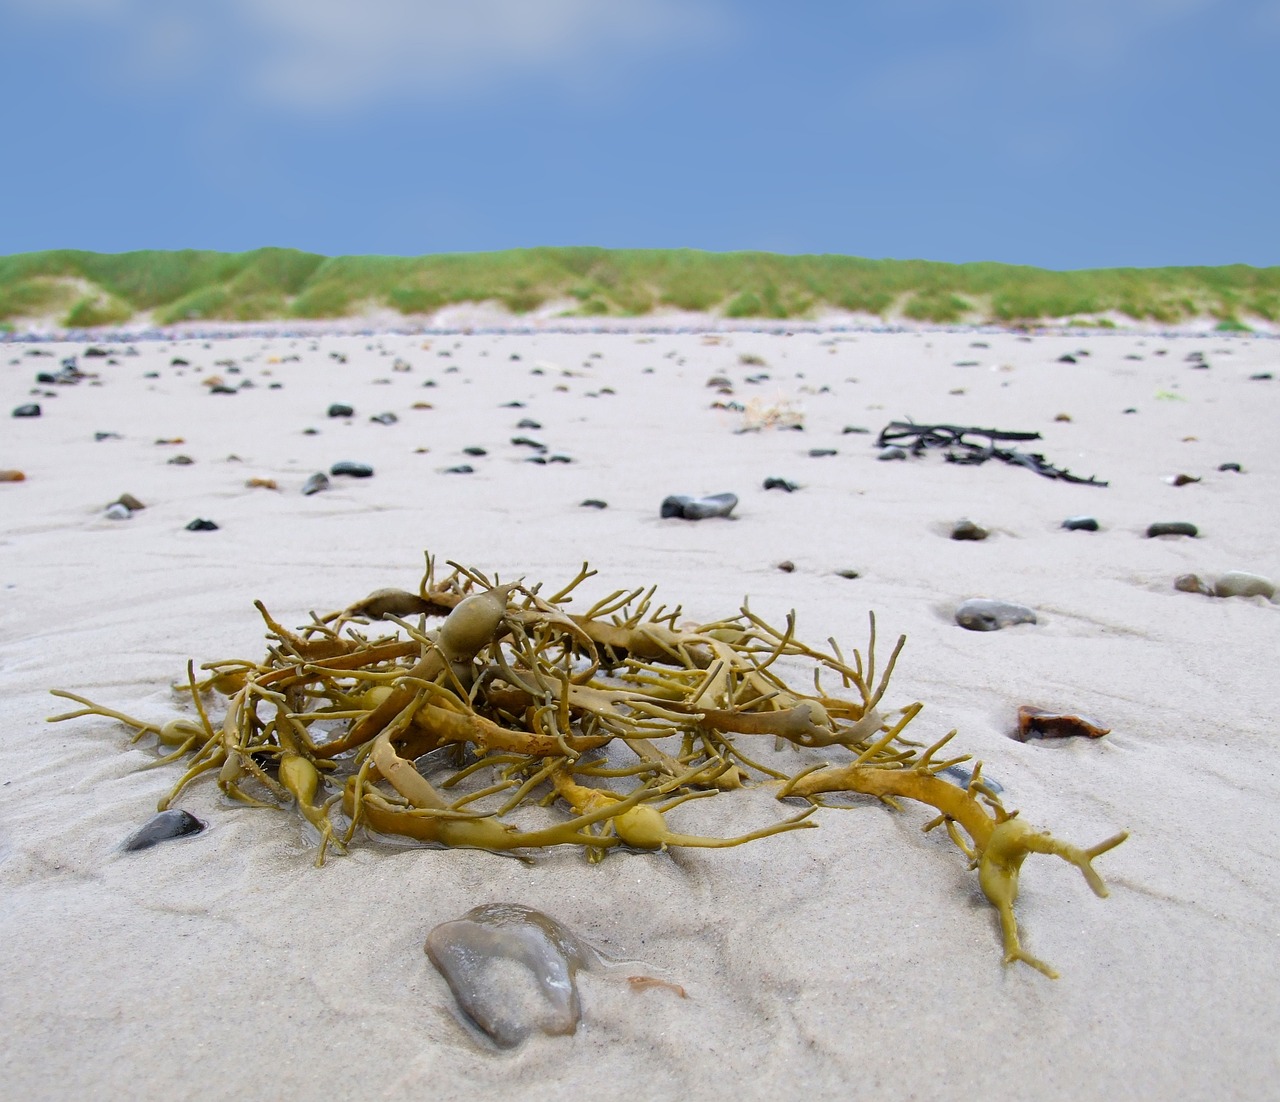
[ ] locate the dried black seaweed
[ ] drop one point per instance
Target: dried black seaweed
(918, 438)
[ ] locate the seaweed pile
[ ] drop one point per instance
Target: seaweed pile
(608, 719)
(972, 452)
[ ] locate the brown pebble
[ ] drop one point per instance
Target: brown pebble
(1036, 721)
(171, 440)
(129, 502)
(1183, 479)
(787, 566)
(423, 405)
(1191, 583)
(262, 484)
(1063, 417)
(12, 476)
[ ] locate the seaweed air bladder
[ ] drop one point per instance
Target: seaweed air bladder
(370, 721)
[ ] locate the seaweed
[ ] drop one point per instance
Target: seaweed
(611, 718)
(973, 452)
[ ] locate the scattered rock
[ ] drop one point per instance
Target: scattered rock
(384, 419)
(174, 823)
(29, 410)
(698, 508)
(525, 442)
(856, 429)
(821, 453)
(12, 476)
(202, 525)
(98, 437)
(984, 614)
(594, 503)
(317, 482)
(474, 450)
(180, 461)
(1238, 583)
(340, 410)
(116, 511)
(461, 468)
(849, 574)
(1231, 467)
(787, 566)
(1172, 528)
(780, 484)
(1036, 721)
(528, 423)
(965, 529)
(1062, 417)
(129, 502)
(261, 484)
(351, 469)
(1183, 480)
(221, 388)
(1262, 376)
(1066, 359)
(892, 452)
(1080, 524)
(720, 381)
(1191, 583)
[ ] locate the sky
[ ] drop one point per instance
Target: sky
(1058, 133)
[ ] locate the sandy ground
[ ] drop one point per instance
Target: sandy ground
(857, 960)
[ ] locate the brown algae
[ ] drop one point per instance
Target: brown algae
(614, 716)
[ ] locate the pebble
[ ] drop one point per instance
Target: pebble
(1172, 528)
(351, 469)
(849, 574)
(821, 453)
(1080, 524)
(984, 614)
(787, 566)
(174, 823)
(593, 503)
(317, 482)
(698, 508)
(461, 468)
(1036, 721)
(525, 442)
(1238, 583)
(117, 511)
(1231, 467)
(384, 419)
(12, 476)
(780, 484)
(528, 423)
(892, 452)
(30, 410)
(98, 437)
(222, 388)
(202, 525)
(181, 461)
(474, 450)
(1191, 583)
(964, 777)
(1183, 480)
(856, 429)
(340, 410)
(129, 502)
(965, 529)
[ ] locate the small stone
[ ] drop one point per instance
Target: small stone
(202, 525)
(474, 451)
(892, 452)
(29, 410)
(849, 574)
(1067, 359)
(855, 429)
(261, 484)
(1036, 721)
(180, 461)
(821, 453)
(98, 437)
(1183, 480)
(1080, 524)
(1131, 409)
(525, 442)
(1231, 467)
(129, 502)
(965, 529)
(1172, 528)
(219, 388)
(594, 503)
(310, 432)
(780, 484)
(174, 823)
(1062, 417)
(1262, 376)
(1191, 583)
(983, 614)
(1238, 583)
(317, 482)
(560, 459)
(178, 361)
(12, 476)
(698, 508)
(340, 410)
(528, 423)
(787, 566)
(116, 511)
(461, 468)
(351, 469)
(384, 419)
(720, 381)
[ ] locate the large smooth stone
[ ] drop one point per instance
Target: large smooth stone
(984, 614)
(1238, 583)
(698, 508)
(174, 823)
(475, 953)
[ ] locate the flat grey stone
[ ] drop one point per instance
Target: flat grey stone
(984, 614)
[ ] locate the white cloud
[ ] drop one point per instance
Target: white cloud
(336, 53)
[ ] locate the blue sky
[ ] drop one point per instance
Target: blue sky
(1060, 133)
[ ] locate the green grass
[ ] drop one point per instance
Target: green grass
(84, 289)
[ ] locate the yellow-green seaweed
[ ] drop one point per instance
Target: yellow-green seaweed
(618, 714)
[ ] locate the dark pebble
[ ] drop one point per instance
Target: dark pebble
(849, 574)
(310, 432)
(219, 388)
(541, 460)
(29, 410)
(856, 428)
(560, 459)
(461, 468)
(351, 470)
(178, 361)
(528, 423)
(340, 410)
(780, 484)
(476, 451)
(317, 482)
(983, 614)
(1184, 479)
(821, 453)
(174, 823)
(525, 442)
(965, 529)
(513, 405)
(1080, 524)
(1262, 376)
(1231, 467)
(787, 566)
(180, 461)
(100, 436)
(202, 525)
(384, 419)
(964, 777)
(1172, 528)
(1131, 409)
(698, 508)
(594, 503)
(1067, 359)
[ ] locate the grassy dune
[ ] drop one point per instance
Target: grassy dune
(82, 289)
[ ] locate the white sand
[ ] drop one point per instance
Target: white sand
(858, 960)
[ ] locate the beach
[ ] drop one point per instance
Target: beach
(858, 959)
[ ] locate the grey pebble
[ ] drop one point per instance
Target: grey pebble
(461, 468)
(317, 482)
(1239, 583)
(1231, 467)
(821, 453)
(384, 419)
(117, 511)
(698, 508)
(892, 453)
(594, 503)
(1172, 528)
(984, 614)
(174, 823)
(965, 529)
(338, 409)
(351, 469)
(180, 461)
(29, 410)
(780, 484)
(1080, 524)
